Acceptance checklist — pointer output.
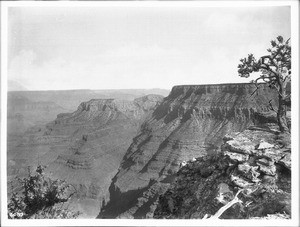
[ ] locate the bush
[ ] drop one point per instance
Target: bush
(40, 197)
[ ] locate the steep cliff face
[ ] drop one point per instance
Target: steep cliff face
(190, 122)
(255, 162)
(85, 147)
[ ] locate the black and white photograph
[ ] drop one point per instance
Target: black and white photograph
(150, 113)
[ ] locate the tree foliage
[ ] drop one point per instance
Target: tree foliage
(275, 70)
(40, 197)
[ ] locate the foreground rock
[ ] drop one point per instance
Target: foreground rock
(255, 162)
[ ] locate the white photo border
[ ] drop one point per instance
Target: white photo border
(153, 222)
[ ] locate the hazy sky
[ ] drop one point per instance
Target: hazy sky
(122, 47)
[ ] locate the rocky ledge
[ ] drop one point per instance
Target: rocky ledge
(255, 163)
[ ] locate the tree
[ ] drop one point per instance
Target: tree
(40, 197)
(275, 70)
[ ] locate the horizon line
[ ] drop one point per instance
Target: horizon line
(124, 89)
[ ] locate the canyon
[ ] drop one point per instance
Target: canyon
(83, 147)
(190, 122)
(123, 151)
(36, 108)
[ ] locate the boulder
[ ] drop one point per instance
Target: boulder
(264, 145)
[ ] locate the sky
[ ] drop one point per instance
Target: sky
(61, 48)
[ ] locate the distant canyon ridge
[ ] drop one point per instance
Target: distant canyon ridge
(80, 141)
(122, 150)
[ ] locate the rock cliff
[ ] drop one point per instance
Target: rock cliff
(190, 122)
(255, 162)
(85, 147)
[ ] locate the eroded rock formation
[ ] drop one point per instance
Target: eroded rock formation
(190, 122)
(257, 162)
(85, 147)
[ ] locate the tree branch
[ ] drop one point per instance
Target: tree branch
(278, 90)
(271, 106)
(268, 65)
(257, 87)
(225, 207)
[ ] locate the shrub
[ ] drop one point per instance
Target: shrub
(40, 197)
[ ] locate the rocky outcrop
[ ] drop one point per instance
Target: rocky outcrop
(255, 162)
(190, 122)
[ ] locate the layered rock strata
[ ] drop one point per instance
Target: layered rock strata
(85, 147)
(190, 122)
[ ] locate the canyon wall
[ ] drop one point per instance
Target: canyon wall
(84, 147)
(190, 122)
